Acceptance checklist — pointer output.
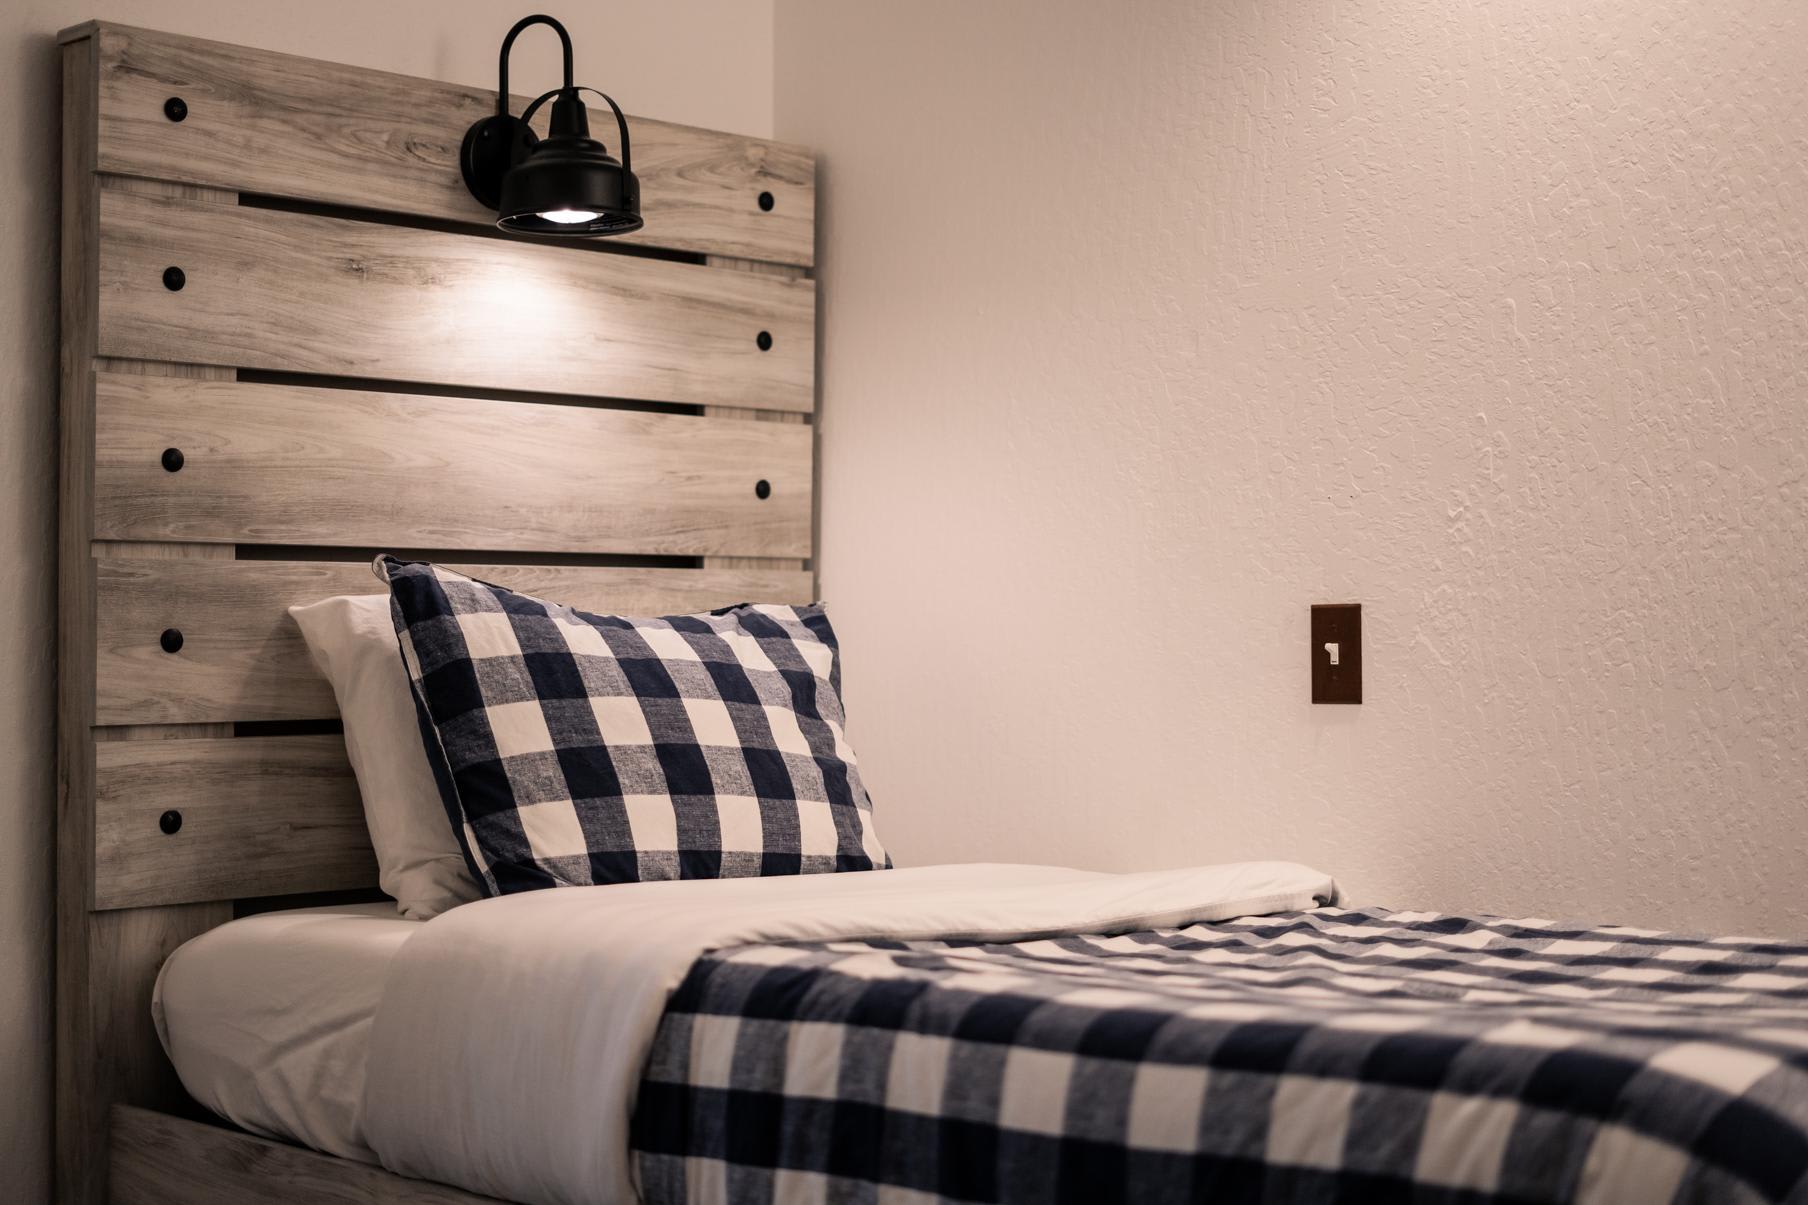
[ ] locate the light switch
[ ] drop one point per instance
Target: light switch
(1337, 653)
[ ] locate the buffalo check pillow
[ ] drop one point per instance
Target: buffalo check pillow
(574, 749)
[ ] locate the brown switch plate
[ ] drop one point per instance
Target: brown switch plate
(1338, 624)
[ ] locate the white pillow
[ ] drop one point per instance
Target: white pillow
(353, 642)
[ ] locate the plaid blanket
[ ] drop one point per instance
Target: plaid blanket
(1331, 1055)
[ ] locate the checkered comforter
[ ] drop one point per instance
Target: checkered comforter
(1321, 1056)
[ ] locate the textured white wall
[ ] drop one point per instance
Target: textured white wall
(1147, 325)
(706, 62)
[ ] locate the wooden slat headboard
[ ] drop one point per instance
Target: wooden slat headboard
(355, 361)
(277, 125)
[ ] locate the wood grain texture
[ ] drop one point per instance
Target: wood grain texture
(163, 1160)
(85, 1085)
(287, 464)
(292, 127)
(785, 272)
(106, 963)
(260, 816)
(243, 658)
(300, 293)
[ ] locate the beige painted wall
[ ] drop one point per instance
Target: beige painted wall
(704, 62)
(1147, 325)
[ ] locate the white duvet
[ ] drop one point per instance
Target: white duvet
(511, 1032)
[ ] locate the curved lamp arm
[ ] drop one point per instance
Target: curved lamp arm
(508, 44)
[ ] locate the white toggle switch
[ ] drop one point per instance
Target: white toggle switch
(1331, 648)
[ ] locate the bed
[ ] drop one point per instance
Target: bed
(1004, 1033)
(330, 375)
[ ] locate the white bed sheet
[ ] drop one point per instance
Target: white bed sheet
(267, 1019)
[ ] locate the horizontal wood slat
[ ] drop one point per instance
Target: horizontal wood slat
(281, 464)
(158, 1159)
(242, 657)
(293, 292)
(260, 816)
(285, 126)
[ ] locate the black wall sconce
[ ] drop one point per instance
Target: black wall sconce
(566, 183)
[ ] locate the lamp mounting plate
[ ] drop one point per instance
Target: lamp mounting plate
(492, 146)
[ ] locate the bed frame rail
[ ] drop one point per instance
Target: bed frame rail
(158, 1159)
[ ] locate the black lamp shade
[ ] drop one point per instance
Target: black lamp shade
(568, 183)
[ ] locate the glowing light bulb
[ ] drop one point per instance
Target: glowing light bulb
(569, 217)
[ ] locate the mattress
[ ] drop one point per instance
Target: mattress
(993, 1033)
(267, 1019)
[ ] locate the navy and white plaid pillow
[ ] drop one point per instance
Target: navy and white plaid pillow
(575, 748)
